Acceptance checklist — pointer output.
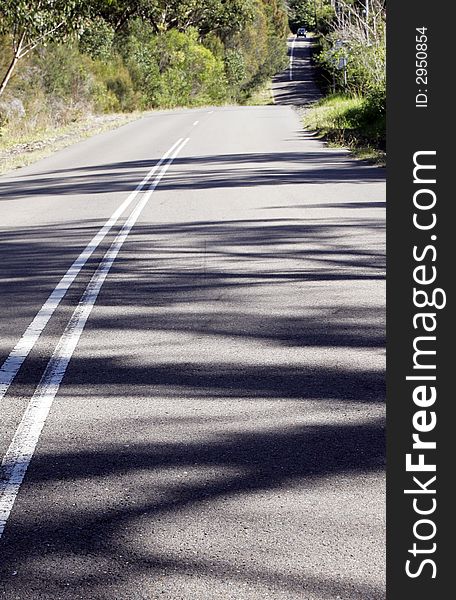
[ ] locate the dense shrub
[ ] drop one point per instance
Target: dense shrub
(360, 88)
(126, 56)
(173, 69)
(97, 39)
(235, 69)
(258, 51)
(348, 120)
(316, 16)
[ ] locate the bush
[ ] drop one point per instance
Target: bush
(348, 120)
(174, 69)
(97, 39)
(113, 89)
(235, 68)
(258, 52)
(120, 64)
(357, 115)
(66, 73)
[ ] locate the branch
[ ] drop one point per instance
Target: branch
(17, 41)
(32, 45)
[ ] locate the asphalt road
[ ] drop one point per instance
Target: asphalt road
(218, 429)
(296, 86)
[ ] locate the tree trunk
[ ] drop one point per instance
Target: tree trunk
(9, 72)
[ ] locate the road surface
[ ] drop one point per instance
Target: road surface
(200, 401)
(296, 86)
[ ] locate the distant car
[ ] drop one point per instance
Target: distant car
(301, 32)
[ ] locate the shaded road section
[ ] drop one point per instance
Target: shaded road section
(296, 85)
(219, 430)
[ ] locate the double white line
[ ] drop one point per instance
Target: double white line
(20, 452)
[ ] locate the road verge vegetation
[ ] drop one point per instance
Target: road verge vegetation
(123, 57)
(349, 54)
(350, 121)
(22, 150)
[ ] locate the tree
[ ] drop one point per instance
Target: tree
(314, 14)
(222, 17)
(30, 23)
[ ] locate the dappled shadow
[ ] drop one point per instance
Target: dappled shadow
(236, 253)
(200, 172)
(341, 327)
(201, 419)
(258, 158)
(301, 89)
(305, 453)
(218, 268)
(206, 379)
(330, 205)
(239, 463)
(200, 264)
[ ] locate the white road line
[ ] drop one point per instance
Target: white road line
(195, 123)
(291, 58)
(22, 447)
(21, 350)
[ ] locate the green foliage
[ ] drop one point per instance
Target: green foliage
(174, 69)
(160, 64)
(65, 73)
(258, 51)
(97, 38)
(365, 67)
(112, 87)
(315, 15)
(359, 39)
(302, 14)
(235, 67)
(36, 18)
(116, 55)
(220, 16)
(348, 120)
(212, 42)
(31, 23)
(190, 75)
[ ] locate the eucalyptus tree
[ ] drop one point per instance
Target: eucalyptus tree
(219, 16)
(30, 23)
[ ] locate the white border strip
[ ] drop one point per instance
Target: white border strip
(22, 447)
(21, 350)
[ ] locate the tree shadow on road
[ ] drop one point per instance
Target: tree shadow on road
(200, 172)
(271, 460)
(298, 285)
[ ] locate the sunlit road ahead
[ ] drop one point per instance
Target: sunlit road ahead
(212, 416)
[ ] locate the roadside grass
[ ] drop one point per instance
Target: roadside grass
(349, 121)
(21, 146)
(262, 96)
(22, 149)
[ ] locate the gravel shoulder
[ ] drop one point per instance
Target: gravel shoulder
(16, 154)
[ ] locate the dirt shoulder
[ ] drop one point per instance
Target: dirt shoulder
(25, 151)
